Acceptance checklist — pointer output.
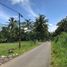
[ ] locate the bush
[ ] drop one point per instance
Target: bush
(59, 51)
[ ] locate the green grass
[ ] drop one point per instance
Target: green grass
(25, 46)
(59, 51)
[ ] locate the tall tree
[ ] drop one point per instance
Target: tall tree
(28, 24)
(12, 29)
(41, 28)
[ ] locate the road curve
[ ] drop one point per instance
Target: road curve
(37, 57)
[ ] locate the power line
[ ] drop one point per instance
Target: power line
(12, 10)
(9, 7)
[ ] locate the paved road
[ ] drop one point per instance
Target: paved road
(37, 57)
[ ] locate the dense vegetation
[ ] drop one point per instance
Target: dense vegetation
(30, 30)
(59, 51)
(59, 45)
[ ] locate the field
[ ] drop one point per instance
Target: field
(59, 51)
(6, 47)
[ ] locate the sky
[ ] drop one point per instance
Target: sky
(54, 10)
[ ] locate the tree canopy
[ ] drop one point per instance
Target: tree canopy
(29, 30)
(41, 27)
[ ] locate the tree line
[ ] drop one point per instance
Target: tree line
(30, 30)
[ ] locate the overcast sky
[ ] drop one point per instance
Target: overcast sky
(54, 10)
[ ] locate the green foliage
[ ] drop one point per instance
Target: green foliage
(41, 28)
(30, 30)
(59, 51)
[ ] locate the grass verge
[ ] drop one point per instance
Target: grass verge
(59, 51)
(25, 46)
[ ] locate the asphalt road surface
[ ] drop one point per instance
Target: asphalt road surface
(37, 57)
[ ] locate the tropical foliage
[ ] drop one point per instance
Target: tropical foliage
(59, 53)
(30, 30)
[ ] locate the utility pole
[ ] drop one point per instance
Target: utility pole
(19, 32)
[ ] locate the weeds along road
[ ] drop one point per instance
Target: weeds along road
(37, 57)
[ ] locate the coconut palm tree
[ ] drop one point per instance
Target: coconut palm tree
(41, 27)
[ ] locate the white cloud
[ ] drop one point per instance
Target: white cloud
(16, 1)
(52, 27)
(26, 5)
